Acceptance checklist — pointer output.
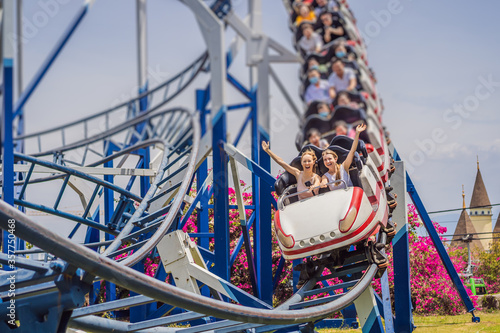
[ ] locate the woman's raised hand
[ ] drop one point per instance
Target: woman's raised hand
(265, 146)
(360, 128)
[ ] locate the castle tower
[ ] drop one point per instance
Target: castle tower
(481, 216)
(465, 227)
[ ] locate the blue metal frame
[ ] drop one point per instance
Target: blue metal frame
(7, 143)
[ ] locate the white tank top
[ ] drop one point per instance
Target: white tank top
(302, 187)
(343, 176)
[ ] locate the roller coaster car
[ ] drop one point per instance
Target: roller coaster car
(332, 220)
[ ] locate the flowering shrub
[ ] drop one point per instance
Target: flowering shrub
(432, 291)
(488, 267)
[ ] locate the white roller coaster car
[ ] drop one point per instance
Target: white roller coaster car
(334, 219)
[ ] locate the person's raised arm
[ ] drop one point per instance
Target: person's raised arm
(279, 160)
(350, 156)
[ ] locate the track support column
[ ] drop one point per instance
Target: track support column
(401, 254)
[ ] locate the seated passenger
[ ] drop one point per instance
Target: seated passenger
(342, 53)
(331, 29)
(314, 64)
(342, 78)
(341, 129)
(339, 171)
(317, 89)
(306, 179)
(314, 138)
(297, 3)
(344, 100)
(324, 110)
(310, 41)
(305, 15)
(325, 6)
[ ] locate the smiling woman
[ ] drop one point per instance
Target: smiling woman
(307, 179)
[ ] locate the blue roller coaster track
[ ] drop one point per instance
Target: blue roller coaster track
(132, 167)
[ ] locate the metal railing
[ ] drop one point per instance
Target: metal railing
(282, 198)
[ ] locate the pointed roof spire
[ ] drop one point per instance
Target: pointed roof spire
(465, 227)
(479, 194)
(477, 156)
(496, 230)
(463, 196)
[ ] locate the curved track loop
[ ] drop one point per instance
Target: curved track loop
(176, 133)
(82, 129)
(114, 272)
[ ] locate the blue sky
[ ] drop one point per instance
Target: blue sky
(428, 57)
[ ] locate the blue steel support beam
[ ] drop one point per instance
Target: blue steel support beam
(255, 179)
(264, 231)
(7, 144)
(201, 175)
(30, 88)
(221, 188)
(7, 135)
(108, 214)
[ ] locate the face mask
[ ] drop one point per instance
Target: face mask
(340, 54)
(316, 67)
(314, 79)
(324, 114)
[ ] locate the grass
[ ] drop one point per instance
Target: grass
(490, 322)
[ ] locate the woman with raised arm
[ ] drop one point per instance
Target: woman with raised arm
(306, 179)
(339, 171)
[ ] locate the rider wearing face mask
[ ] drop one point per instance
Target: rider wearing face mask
(317, 89)
(323, 110)
(313, 63)
(342, 53)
